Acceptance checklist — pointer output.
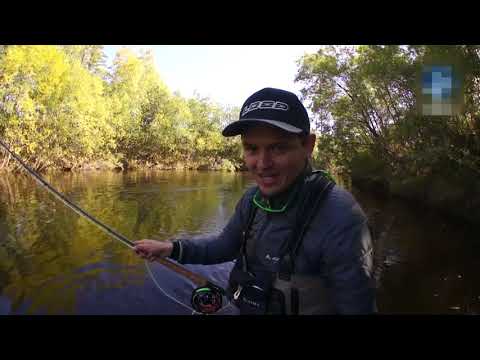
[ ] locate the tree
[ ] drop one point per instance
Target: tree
(92, 57)
(52, 109)
(365, 100)
(58, 109)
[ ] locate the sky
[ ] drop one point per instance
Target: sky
(227, 74)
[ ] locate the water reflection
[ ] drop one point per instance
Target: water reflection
(428, 261)
(54, 262)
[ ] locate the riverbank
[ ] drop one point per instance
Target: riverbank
(451, 195)
(123, 165)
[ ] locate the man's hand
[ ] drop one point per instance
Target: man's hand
(152, 249)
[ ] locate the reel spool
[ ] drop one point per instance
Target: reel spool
(207, 299)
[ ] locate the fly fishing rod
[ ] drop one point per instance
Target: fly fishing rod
(206, 298)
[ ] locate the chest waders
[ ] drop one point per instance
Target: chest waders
(252, 291)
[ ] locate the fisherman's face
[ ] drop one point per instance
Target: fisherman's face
(275, 157)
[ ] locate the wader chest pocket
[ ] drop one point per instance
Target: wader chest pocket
(254, 295)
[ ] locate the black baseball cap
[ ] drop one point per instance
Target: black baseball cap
(276, 107)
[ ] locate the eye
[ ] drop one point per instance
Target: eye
(250, 149)
(279, 148)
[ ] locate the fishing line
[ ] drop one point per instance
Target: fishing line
(175, 300)
(164, 292)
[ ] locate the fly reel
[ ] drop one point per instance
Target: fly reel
(207, 299)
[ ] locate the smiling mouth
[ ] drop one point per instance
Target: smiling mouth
(268, 179)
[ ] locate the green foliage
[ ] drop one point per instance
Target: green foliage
(364, 101)
(60, 108)
(91, 57)
(52, 109)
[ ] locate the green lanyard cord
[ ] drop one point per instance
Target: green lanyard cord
(267, 207)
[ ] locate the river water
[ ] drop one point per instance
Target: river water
(54, 262)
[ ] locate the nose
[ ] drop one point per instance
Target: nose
(264, 160)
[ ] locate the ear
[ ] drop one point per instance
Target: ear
(309, 143)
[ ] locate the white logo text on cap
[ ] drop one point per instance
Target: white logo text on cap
(265, 104)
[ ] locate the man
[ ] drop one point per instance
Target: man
(301, 244)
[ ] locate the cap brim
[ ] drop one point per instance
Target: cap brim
(238, 127)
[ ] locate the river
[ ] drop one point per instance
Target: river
(54, 262)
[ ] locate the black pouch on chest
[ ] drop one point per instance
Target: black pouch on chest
(250, 292)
